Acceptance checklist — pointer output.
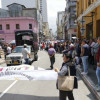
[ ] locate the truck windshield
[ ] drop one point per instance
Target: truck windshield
(19, 49)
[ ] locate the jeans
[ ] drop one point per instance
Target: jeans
(64, 94)
(98, 75)
(85, 63)
(27, 61)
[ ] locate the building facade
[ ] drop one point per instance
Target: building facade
(17, 17)
(26, 3)
(43, 9)
(60, 27)
(8, 26)
(4, 13)
(71, 26)
(88, 13)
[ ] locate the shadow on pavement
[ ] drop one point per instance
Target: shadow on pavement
(9, 96)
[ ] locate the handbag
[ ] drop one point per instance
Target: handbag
(66, 83)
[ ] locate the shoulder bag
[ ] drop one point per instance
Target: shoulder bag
(66, 83)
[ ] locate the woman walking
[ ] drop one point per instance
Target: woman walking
(64, 72)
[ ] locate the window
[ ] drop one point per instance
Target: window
(30, 26)
(7, 26)
(0, 27)
(17, 26)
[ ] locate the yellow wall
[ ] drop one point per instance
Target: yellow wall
(82, 6)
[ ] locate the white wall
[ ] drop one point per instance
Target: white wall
(27, 3)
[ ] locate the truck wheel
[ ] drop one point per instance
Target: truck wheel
(36, 57)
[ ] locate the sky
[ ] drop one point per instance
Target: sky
(53, 7)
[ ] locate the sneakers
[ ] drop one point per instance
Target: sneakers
(84, 73)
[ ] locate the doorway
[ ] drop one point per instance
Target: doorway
(98, 28)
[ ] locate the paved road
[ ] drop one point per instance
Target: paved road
(40, 90)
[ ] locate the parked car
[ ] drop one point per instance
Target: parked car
(16, 57)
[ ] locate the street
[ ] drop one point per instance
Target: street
(40, 90)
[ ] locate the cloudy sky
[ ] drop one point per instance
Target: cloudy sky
(53, 7)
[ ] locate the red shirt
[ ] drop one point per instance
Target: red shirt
(98, 55)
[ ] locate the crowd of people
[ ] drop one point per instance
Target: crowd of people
(58, 46)
(7, 48)
(84, 52)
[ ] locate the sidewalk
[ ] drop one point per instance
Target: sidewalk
(90, 80)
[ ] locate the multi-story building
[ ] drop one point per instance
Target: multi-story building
(8, 26)
(60, 25)
(26, 3)
(15, 19)
(88, 13)
(71, 26)
(43, 9)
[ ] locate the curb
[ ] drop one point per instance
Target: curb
(89, 84)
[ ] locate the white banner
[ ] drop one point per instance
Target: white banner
(26, 72)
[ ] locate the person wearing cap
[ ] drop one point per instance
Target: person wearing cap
(67, 62)
(51, 53)
(26, 54)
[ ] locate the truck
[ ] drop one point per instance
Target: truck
(23, 37)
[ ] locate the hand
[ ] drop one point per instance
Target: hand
(56, 70)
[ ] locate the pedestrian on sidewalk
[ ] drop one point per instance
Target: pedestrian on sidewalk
(84, 56)
(51, 53)
(98, 66)
(26, 54)
(64, 72)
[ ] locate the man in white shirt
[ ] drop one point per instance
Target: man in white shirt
(26, 54)
(9, 49)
